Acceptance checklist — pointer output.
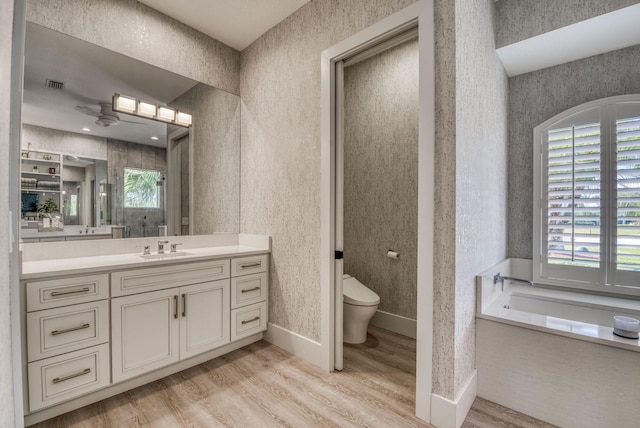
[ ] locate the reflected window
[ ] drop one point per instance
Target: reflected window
(141, 188)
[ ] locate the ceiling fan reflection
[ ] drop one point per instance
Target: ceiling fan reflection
(106, 116)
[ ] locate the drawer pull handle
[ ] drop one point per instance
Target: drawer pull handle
(62, 379)
(250, 265)
(250, 289)
(251, 320)
(63, 293)
(57, 332)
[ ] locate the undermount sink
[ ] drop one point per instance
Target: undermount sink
(167, 255)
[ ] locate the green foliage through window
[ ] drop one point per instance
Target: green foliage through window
(141, 188)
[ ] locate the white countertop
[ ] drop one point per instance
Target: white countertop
(101, 261)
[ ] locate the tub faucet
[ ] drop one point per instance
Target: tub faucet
(499, 278)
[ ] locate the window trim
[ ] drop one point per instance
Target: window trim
(580, 281)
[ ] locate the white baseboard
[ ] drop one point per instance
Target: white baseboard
(450, 414)
(395, 323)
(292, 342)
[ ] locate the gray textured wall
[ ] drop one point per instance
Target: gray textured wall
(7, 418)
(540, 95)
(216, 158)
(481, 168)
(144, 34)
(381, 175)
(280, 87)
(521, 19)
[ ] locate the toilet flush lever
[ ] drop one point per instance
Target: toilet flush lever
(339, 255)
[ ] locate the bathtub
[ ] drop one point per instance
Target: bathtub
(552, 353)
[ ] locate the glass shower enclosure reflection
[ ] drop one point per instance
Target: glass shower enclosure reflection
(139, 202)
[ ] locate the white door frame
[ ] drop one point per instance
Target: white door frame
(174, 172)
(421, 13)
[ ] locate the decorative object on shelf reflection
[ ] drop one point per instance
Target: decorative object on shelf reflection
(136, 107)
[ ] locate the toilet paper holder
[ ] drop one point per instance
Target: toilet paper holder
(392, 254)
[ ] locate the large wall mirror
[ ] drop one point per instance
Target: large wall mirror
(90, 173)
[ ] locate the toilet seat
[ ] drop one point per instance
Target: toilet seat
(355, 293)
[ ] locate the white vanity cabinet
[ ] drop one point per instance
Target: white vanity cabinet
(249, 292)
(67, 324)
(154, 329)
(94, 328)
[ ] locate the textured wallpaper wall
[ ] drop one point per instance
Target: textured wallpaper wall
(144, 34)
(6, 369)
(518, 20)
(216, 158)
(481, 168)
(538, 96)
(381, 175)
(280, 87)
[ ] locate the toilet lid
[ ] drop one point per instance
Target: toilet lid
(354, 293)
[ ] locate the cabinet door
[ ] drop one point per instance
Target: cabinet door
(144, 333)
(204, 317)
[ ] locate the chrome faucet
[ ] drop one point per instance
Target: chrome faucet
(161, 246)
(173, 246)
(497, 278)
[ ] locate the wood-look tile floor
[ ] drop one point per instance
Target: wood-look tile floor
(261, 385)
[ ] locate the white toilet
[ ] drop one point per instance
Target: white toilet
(359, 305)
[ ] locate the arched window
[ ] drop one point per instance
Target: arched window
(587, 196)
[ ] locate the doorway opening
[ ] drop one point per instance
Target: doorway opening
(179, 211)
(420, 16)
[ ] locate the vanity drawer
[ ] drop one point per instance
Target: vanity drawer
(56, 331)
(248, 265)
(248, 320)
(66, 291)
(158, 278)
(249, 289)
(67, 376)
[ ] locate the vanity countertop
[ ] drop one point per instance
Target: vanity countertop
(96, 263)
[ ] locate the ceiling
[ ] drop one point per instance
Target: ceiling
(236, 23)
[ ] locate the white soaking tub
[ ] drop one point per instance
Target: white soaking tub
(552, 354)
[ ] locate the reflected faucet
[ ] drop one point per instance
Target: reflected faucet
(161, 246)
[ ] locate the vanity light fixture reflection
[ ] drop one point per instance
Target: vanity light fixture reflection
(136, 107)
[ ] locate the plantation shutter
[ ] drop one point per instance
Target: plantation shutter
(573, 197)
(628, 194)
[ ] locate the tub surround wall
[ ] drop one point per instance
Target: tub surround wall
(567, 382)
(144, 34)
(216, 158)
(537, 96)
(381, 175)
(522, 19)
